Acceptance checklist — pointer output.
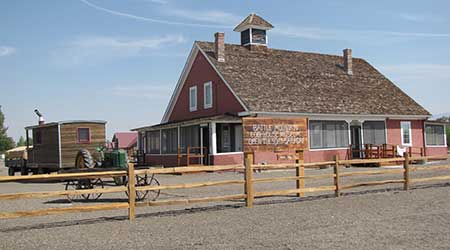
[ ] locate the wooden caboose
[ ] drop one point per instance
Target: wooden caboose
(56, 144)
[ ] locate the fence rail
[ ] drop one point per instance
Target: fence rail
(249, 183)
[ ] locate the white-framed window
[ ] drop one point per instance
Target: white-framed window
(189, 137)
(193, 98)
(406, 133)
(328, 134)
(374, 132)
(435, 135)
(169, 141)
(207, 95)
(153, 142)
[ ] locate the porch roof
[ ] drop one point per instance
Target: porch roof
(196, 121)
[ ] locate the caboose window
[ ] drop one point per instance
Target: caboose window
(84, 135)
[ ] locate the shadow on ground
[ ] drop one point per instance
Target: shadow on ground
(181, 212)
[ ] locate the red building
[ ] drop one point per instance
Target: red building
(347, 103)
(126, 141)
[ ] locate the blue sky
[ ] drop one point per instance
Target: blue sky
(119, 60)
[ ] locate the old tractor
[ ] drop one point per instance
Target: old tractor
(103, 159)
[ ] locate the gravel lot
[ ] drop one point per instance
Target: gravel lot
(383, 217)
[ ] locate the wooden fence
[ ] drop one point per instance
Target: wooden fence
(248, 182)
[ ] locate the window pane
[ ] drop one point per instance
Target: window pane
(229, 137)
(226, 138)
(208, 95)
(435, 135)
(374, 132)
(328, 134)
(245, 36)
(83, 135)
(193, 98)
(169, 141)
(153, 142)
(190, 137)
(406, 128)
(342, 134)
(258, 36)
(316, 135)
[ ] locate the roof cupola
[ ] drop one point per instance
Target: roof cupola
(253, 30)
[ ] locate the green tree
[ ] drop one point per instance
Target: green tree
(21, 142)
(446, 119)
(6, 142)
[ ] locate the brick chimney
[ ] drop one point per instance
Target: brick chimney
(219, 46)
(348, 65)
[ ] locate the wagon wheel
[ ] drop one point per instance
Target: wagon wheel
(84, 159)
(152, 181)
(120, 180)
(146, 181)
(84, 184)
(96, 183)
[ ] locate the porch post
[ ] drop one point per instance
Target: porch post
(201, 146)
(362, 133)
(213, 138)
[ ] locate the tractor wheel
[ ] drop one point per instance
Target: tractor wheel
(11, 171)
(84, 159)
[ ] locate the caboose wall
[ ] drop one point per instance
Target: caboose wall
(70, 145)
(45, 154)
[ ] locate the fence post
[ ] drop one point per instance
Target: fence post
(336, 177)
(300, 171)
(406, 172)
(249, 179)
(131, 192)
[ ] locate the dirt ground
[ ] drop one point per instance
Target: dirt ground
(383, 217)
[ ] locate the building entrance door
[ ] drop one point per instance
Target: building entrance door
(205, 144)
(355, 134)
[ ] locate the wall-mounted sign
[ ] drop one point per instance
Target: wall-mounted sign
(275, 134)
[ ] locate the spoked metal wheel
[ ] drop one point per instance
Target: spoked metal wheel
(82, 185)
(146, 180)
(152, 181)
(120, 180)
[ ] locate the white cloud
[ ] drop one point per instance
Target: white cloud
(158, 1)
(414, 17)
(411, 17)
(101, 49)
(6, 51)
(426, 83)
(211, 16)
(128, 44)
(148, 19)
(160, 92)
(415, 73)
(368, 36)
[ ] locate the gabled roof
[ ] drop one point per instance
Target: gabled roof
(126, 139)
(255, 21)
(273, 80)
